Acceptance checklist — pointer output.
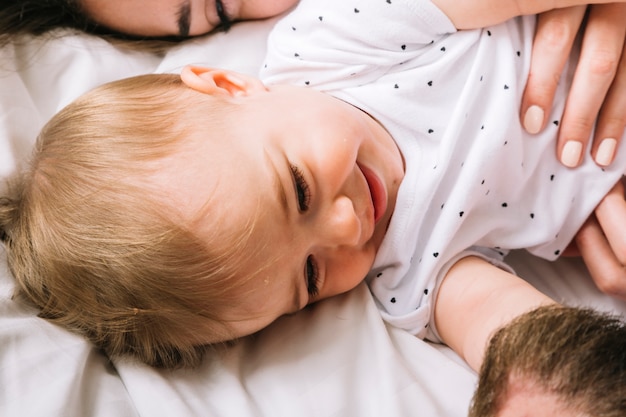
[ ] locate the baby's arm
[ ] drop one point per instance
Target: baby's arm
(472, 14)
(475, 299)
(602, 243)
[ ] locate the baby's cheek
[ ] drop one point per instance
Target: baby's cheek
(345, 276)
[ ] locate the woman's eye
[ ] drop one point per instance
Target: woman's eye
(312, 277)
(225, 21)
(303, 193)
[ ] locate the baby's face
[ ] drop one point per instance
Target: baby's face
(317, 177)
(159, 18)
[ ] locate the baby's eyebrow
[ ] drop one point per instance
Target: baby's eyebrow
(279, 189)
(296, 307)
(184, 19)
(295, 304)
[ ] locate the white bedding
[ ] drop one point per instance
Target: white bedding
(336, 358)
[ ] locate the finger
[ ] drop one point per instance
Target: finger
(612, 119)
(553, 42)
(611, 213)
(601, 50)
(605, 269)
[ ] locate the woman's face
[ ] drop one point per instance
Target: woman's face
(182, 18)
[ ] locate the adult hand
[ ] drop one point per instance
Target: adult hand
(602, 243)
(598, 91)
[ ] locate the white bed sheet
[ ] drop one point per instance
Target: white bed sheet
(336, 358)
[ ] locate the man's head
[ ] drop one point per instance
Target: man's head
(555, 361)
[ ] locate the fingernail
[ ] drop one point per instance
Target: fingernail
(533, 119)
(606, 151)
(571, 153)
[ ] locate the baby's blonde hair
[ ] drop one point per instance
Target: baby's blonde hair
(97, 252)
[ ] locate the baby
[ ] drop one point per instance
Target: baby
(164, 214)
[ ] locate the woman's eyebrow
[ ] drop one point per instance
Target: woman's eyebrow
(184, 19)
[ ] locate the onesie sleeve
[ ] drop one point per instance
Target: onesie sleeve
(331, 44)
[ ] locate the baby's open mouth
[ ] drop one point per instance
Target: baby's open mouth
(377, 192)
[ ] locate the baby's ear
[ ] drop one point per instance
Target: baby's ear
(220, 81)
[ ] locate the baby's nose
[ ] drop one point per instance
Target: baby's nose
(341, 226)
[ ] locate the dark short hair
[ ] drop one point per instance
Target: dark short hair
(575, 354)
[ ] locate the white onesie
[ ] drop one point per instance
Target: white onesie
(475, 181)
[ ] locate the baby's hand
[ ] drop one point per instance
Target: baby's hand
(602, 243)
(598, 91)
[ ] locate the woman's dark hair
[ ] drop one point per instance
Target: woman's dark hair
(37, 17)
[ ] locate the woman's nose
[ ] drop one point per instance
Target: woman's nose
(341, 225)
